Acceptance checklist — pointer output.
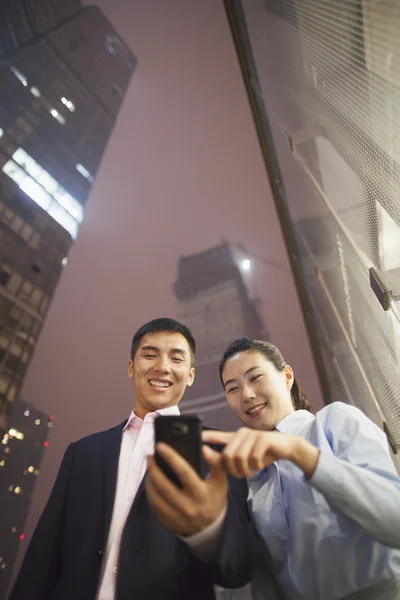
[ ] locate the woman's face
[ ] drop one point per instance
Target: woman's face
(256, 391)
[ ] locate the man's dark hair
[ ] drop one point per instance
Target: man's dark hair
(163, 324)
(274, 355)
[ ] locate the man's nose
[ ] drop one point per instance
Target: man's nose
(162, 365)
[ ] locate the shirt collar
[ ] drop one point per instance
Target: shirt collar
(294, 421)
(136, 422)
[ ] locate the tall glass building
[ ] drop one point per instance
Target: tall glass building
(64, 71)
(323, 80)
(61, 89)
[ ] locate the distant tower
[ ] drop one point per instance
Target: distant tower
(215, 304)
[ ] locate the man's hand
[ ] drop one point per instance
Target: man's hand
(249, 450)
(199, 503)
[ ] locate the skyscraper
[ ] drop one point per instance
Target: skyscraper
(63, 75)
(61, 89)
(214, 303)
(20, 458)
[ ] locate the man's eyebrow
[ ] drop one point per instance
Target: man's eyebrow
(246, 373)
(152, 348)
(180, 350)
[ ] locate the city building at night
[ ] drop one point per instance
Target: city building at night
(61, 89)
(215, 304)
(20, 457)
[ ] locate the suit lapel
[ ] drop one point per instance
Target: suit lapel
(111, 450)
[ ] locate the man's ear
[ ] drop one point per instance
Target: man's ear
(191, 377)
(130, 369)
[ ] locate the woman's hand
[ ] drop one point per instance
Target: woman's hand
(249, 450)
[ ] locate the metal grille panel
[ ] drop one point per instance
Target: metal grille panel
(327, 74)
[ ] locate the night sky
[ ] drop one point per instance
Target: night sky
(182, 171)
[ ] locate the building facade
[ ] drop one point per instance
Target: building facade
(20, 457)
(214, 303)
(60, 94)
(327, 115)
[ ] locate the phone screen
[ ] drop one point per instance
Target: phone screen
(183, 434)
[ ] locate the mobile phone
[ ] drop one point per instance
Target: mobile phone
(183, 434)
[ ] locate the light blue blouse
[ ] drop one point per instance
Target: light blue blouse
(336, 533)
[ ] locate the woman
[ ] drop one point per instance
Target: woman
(326, 496)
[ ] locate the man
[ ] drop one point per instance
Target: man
(97, 537)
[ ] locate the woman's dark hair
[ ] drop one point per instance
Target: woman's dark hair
(271, 353)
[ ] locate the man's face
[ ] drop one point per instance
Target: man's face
(160, 370)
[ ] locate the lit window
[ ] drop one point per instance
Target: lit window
(11, 488)
(17, 490)
(14, 529)
(63, 217)
(70, 105)
(19, 76)
(27, 412)
(39, 185)
(1, 132)
(64, 261)
(35, 92)
(49, 425)
(36, 472)
(31, 469)
(2, 463)
(70, 204)
(58, 117)
(17, 434)
(83, 171)
(37, 422)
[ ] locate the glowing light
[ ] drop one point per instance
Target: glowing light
(21, 537)
(70, 105)
(83, 171)
(37, 422)
(54, 113)
(19, 76)
(17, 434)
(246, 264)
(35, 92)
(27, 413)
(45, 444)
(43, 189)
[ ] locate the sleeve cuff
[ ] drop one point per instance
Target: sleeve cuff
(327, 477)
(205, 542)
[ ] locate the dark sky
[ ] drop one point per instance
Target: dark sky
(182, 171)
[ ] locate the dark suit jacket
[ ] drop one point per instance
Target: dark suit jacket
(63, 560)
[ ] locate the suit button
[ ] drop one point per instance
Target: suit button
(99, 553)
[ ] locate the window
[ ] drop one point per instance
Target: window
(25, 324)
(36, 297)
(35, 241)
(4, 277)
(43, 189)
(17, 224)
(14, 282)
(26, 232)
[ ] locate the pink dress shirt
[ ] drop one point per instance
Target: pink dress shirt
(136, 444)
